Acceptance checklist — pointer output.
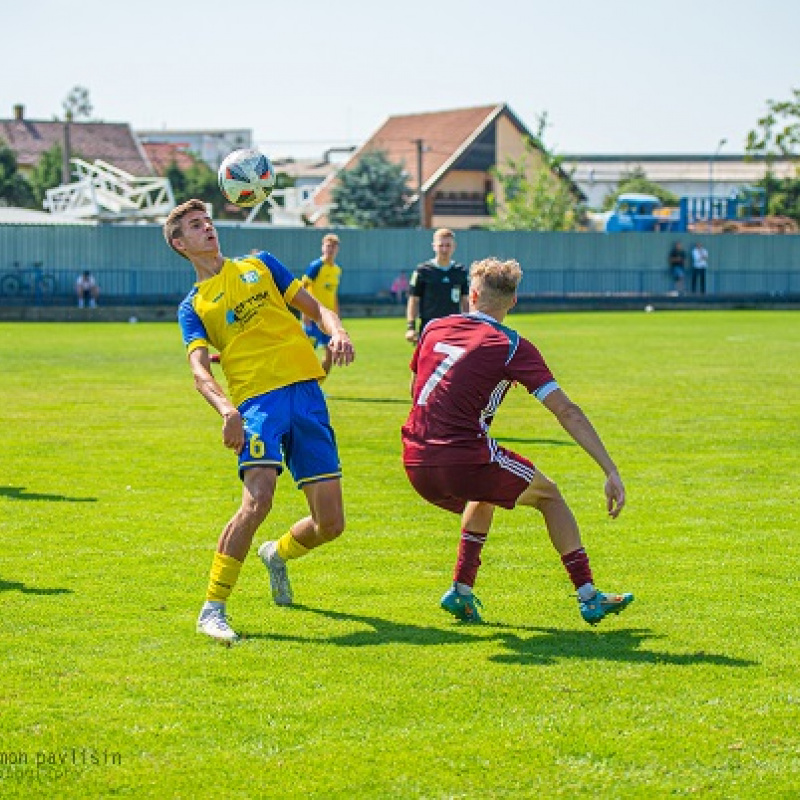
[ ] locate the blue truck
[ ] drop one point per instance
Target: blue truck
(743, 213)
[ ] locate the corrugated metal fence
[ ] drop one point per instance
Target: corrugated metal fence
(39, 263)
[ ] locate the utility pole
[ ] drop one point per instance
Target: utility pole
(420, 194)
(65, 156)
(722, 143)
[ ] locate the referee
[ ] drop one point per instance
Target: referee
(438, 287)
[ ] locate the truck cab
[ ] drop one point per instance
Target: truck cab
(641, 212)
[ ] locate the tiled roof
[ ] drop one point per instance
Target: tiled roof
(113, 142)
(444, 135)
(162, 154)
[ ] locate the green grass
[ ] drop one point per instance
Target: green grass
(114, 486)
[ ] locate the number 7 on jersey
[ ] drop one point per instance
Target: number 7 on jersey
(452, 354)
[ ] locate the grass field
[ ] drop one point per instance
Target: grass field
(114, 486)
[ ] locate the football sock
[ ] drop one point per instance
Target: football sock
(224, 573)
(469, 557)
(577, 565)
(288, 547)
(586, 592)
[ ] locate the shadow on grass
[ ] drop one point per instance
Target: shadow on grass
(401, 401)
(382, 631)
(520, 440)
(545, 646)
(19, 493)
(16, 586)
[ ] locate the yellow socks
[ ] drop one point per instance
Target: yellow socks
(225, 569)
(288, 547)
(224, 574)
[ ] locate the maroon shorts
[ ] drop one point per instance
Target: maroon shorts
(452, 486)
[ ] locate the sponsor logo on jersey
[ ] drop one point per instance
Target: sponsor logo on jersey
(251, 276)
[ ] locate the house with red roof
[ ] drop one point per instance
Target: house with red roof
(112, 142)
(448, 156)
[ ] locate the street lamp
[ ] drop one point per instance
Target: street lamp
(722, 142)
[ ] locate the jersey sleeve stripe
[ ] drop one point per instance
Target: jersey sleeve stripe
(194, 344)
(294, 287)
(545, 390)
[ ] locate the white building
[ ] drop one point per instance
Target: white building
(697, 175)
(210, 145)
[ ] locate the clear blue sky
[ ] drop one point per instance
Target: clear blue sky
(673, 76)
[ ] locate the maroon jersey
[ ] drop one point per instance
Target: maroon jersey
(463, 367)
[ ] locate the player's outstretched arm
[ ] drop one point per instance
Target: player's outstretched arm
(577, 425)
(340, 344)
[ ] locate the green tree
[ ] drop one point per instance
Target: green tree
(46, 174)
(637, 182)
(373, 194)
(777, 135)
(77, 104)
(198, 180)
(783, 196)
(14, 189)
(535, 193)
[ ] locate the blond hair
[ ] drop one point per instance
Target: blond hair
(441, 233)
(173, 226)
(498, 279)
(330, 237)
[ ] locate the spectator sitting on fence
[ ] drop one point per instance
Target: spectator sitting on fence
(87, 290)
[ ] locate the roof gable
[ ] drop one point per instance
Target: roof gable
(442, 133)
(454, 138)
(113, 142)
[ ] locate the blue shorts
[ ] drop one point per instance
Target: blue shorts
(316, 335)
(290, 424)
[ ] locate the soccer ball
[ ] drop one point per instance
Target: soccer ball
(246, 177)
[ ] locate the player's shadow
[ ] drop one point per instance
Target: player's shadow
(545, 646)
(379, 631)
(522, 440)
(17, 586)
(402, 401)
(548, 645)
(20, 493)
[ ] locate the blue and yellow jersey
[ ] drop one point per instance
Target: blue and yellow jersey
(322, 282)
(243, 312)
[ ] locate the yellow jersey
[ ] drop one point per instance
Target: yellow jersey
(243, 312)
(321, 280)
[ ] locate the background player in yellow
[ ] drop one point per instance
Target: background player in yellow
(321, 281)
(276, 411)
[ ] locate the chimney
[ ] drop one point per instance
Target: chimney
(19, 112)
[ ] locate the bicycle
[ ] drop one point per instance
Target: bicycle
(29, 281)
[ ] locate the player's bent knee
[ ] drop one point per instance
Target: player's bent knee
(330, 528)
(541, 491)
